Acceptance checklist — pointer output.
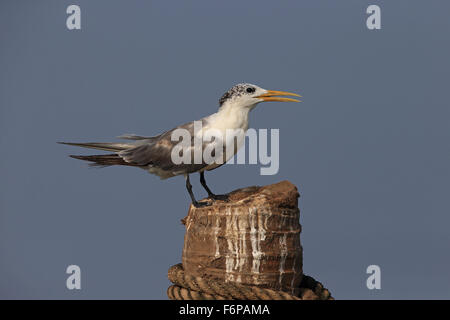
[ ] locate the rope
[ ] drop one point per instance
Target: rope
(188, 287)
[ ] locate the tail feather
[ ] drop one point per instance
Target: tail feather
(103, 160)
(136, 137)
(116, 147)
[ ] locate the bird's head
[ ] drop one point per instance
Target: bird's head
(246, 95)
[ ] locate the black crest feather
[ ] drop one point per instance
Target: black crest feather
(235, 91)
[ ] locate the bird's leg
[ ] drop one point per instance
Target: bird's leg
(195, 203)
(210, 193)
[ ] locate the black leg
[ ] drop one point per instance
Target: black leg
(210, 193)
(191, 194)
(203, 182)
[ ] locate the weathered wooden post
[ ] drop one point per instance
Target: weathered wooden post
(246, 248)
(254, 239)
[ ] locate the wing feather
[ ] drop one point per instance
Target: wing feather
(158, 153)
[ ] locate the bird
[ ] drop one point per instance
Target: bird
(155, 153)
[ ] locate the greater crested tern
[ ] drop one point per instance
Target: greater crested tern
(154, 154)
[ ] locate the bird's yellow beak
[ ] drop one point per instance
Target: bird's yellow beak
(271, 95)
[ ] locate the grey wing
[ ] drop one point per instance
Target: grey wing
(158, 153)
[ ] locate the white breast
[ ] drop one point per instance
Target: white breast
(232, 123)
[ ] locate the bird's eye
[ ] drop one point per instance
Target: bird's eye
(250, 90)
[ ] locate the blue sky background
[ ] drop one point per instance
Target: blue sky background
(368, 148)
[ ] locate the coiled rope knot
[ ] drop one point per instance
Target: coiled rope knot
(188, 287)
